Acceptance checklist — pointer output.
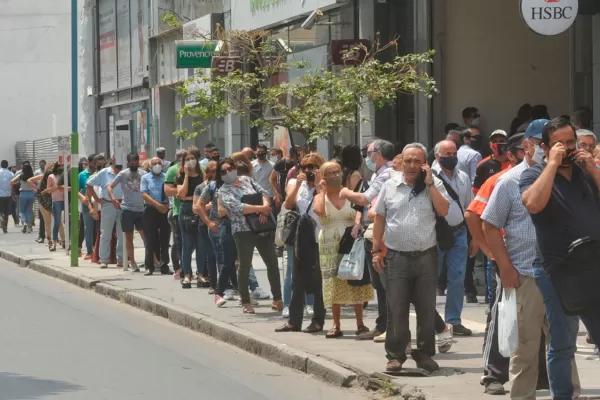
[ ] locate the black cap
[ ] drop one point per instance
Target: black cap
(515, 142)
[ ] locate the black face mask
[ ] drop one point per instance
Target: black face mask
(262, 156)
(310, 177)
(133, 168)
(216, 158)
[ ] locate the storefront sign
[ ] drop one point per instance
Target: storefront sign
(194, 53)
(258, 14)
(549, 17)
(225, 65)
(348, 51)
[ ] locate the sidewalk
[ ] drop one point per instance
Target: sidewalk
(337, 361)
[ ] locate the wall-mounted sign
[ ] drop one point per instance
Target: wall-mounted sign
(549, 17)
(348, 51)
(225, 65)
(194, 53)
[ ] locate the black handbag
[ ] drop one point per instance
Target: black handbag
(290, 227)
(576, 278)
(361, 187)
(346, 242)
(256, 199)
(445, 235)
(191, 222)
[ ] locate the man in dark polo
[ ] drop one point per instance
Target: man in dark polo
(561, 194)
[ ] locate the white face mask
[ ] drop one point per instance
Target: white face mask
(538, 155)
(192, 163)
(475, 121)
(157, 169)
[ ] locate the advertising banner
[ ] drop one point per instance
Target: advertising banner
(139, 33)
(123, 44)
(108, 46)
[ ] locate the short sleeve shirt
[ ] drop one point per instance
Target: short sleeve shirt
(83, 179)
(482, 198)
(571, 213)
(231, 199)
(210, 194)
(154, 186)
(262, 173)
(131, 186)
(170, 178)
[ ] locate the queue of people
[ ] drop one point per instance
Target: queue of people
(524, 200)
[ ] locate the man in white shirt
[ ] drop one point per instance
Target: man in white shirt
(5, 194)
(467, 157)
(458, 186)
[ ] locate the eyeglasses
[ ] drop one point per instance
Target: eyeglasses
(371, 152)
(333, 173)
(308, 166)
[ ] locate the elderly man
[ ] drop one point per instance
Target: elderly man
(586, 140)
(406, 210)
(160, 153)
(155, 217)
(454, 261)
(380, 154)
(248, 152)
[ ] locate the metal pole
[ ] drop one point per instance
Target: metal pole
(74, 142)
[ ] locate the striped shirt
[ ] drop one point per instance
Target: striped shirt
(409, 220)
(505, 210)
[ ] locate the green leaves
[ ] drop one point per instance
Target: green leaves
(317, 104)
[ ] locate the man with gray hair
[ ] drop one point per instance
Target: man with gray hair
(454, 261)
(380, 154)
(406, 211)
(586, 140)
(160, 153)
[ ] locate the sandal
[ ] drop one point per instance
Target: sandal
(277, 305)
(334, 333)
(248, 309)
(362, 329)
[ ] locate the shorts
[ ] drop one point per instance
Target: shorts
(131, 220)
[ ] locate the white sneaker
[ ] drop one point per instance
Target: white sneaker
(103, 265)
(229, 296)
(380, 338)
(309, 310)
(286, 312)
(259, 294)
(444, 341)
(135, 267)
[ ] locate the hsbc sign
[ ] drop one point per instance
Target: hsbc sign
(549, 17)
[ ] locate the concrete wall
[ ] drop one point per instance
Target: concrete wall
(494, 62)
(35, 72)
(596, 71)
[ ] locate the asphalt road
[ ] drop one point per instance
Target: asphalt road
(61, 342)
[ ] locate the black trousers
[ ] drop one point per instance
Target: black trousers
(298, 298)
(378, 285)
(42, 234)
(156, 232)
(176, 246)
(6, 210)
(469, 276)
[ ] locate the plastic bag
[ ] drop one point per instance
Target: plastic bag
(352, 265)
(508, 327)
(280, 223)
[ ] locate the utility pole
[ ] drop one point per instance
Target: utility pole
(74, 220)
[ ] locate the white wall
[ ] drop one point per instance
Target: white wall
(35, 72)
(494, 62)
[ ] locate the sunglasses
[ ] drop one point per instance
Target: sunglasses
(308, 166)
(226, 170)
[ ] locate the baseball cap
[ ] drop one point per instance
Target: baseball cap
(515, 142)
(534, 130)
(499, 132)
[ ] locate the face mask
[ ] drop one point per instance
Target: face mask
(476, 142)
(499, 149)
(370, 164)
(262, 156)
(216, 158)
(538, 155)
(134, 168)
(157, 169)
(310, 177)
(42, 168)
(192, 163)
(274, 159)
(334, 181)
(449, 162)
(230, 177)
(475, 121)
(161, 155)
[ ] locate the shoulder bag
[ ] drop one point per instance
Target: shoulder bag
(445, 236)
(256, 199)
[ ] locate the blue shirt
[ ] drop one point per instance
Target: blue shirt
(82, 179)
(5, 177)
(103, 179)
(468, 160)
(153, 185)
(505, 210)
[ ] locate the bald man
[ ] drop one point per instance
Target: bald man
(248, 152)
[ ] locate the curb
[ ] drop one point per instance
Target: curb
(268, 349)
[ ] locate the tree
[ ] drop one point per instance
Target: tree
(317, 104)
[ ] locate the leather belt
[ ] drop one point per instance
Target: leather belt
(458, 227)
(415, 254)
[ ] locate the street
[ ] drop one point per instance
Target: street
(61, 342)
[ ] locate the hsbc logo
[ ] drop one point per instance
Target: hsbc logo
(549, 17)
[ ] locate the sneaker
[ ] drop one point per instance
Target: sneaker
(186, 284)
(286, 312)
(103, 265)
(247, 309)
(380, 338)
(211, 291)
(309, 311)
(460, 330)
(259, 294)
(368, 335)
(134, 267)
(229, 296)
(253, 301)
(393, 366)
(495, 389)
(220, 301)
(29, 229)
(408, 349)
(472, 299)
(177, 275)
(444, 340)
(24, 230)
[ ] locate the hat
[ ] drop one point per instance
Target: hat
(161, 150)
(534, 130)
(515, 142)
(499, 132)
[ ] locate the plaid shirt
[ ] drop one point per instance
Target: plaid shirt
(505, 210)
(375, 185)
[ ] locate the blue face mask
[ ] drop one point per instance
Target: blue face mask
(230, 177)
(371, 165)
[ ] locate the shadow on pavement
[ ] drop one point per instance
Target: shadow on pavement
(17, 387)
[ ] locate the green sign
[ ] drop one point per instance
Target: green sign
(194, 53)
(263, 5)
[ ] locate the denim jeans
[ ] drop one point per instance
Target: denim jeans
(57, 209)
(191, 239)
(108, 218)
(562, 344)
(88, 228)
(26, 207)
(210, 263)
(225, 254)
(455, 262)
(287, 282)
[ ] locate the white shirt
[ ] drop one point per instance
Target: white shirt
(303, 199)
(262, 173)
(462, 187)
(5, 177)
